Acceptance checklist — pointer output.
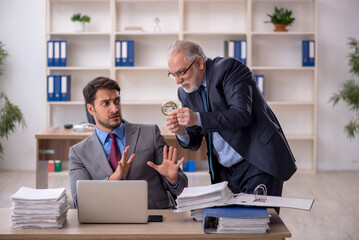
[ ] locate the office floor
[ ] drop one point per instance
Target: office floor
(335, 213)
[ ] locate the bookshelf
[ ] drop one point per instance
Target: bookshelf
(290, 89)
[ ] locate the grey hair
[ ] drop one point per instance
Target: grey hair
(190, 50)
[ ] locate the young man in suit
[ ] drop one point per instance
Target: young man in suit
(99, 157)
(221, 102)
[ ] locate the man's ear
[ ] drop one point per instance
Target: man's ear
(91, 109)
(200, 63)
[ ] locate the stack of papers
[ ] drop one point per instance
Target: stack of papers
(203, 196)
(197, 214)
(220, 195)
(38, 208)
(236, 220)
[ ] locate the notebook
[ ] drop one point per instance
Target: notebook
(103, 201)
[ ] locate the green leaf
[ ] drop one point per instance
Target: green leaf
(281, 16)
(10, 117)
(3, 55)
(85, 18)
(352, 128)
(76, 17)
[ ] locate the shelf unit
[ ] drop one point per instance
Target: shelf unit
(290, 89)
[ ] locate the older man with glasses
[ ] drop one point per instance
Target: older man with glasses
(221, 102)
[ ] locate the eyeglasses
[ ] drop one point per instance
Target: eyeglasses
(180, 73)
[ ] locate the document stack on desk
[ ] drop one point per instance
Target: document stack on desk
(203, 196)
(38, 208)
(197, 214)
(236, 220)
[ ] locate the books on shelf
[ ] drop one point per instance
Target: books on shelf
(125, 53)
(38, 208)
(57, 53)
(308, 53)
(51, 166)
(236, 220)
(260, 82)
(133, 29)
(58, 88)
(189, 166)
(236, 49)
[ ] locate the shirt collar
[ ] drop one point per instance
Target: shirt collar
(119, 131)
(204, 81)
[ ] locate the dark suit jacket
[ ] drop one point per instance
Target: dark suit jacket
(239, 113)
(88, 162)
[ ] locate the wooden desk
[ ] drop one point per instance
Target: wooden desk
(53, 143)
(174, 226)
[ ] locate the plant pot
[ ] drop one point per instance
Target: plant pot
(79, 26)
(280, 28)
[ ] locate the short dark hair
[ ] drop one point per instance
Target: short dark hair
(91, 88)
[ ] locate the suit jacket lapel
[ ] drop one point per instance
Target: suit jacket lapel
(95, 148)
(208, 73)
(131, 137)
(132, 133)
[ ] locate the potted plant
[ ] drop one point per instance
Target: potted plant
(349, 91)
(281, 18)
(80, 21)
(10, 114)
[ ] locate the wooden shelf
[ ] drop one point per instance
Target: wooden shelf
(290, 89)
(283, 68)
(80, 68)
(290, 103)
(79, 34)
(289, 33)
(141, 68)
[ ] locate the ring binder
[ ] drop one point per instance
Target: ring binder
(257, 196)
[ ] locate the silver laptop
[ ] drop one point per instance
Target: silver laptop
(103, 201)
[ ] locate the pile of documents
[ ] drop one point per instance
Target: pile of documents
(204, 196)
(38, 208)
(236, 220)
(197, 214)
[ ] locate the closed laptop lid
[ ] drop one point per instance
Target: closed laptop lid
(104, 201)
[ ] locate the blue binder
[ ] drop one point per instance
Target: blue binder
(57, 88)
(63, 53)
(131, 53)
(308, 53)
(240, 51)
(118, 53)
(211, 214)
(229, 48)
(124, 53)
(243, 55)
(65, 87)
(50, 53)
(56, 53)
(237, 50)
(260, 82)
(185, 166)
(50, 88)
(191, 165)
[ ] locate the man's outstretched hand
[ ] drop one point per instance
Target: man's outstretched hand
(169, 167)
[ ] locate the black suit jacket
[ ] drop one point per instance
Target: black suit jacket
(239, 113)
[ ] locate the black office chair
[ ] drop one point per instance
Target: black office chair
(90, 118)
